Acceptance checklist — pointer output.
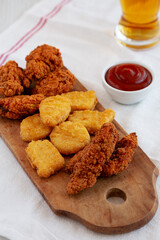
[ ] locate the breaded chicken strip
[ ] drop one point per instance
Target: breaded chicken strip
(20, 106)
(56, 82)
(11, 79)
(76, 158)
(122, 155)
(42, 60)
(86, 171)
(119, 160)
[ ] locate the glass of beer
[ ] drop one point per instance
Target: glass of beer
(139, 25)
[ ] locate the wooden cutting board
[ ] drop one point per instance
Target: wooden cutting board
(136, 186)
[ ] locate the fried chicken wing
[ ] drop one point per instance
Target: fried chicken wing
(56, 82)
(122, 155)
(11, 79)
(42, 60)
(20, 106)
(89, 167)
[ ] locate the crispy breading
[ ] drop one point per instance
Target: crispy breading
(69, 137)
(119, 160)
(32, 128)
(122, 155)
(44, 157)
(89, 167)
(92, 120)
(54, 110)
(11, 78)
(20, 106)
(76, 158)
(42, 60)
(82, 100)
(56, 82)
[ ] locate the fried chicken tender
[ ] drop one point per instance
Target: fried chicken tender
(69, 137)
(54, 110)
(56, 82)
(119, 160)
(20, 106)
(92, 120)
(11, 79)
(89, 167)
(122, 155)
(82, 100)
(32, 128)
(44, 157)
(76, 158)
(42, 60)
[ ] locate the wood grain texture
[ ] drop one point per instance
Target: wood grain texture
(137, 185)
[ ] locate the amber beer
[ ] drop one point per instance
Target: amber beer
(139, 21)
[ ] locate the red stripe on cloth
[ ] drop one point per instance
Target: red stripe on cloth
(47, 15)
(29, 32)
(5, 58)
(43, 20)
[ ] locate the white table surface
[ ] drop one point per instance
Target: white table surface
(10, 11)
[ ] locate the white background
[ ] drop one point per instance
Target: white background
(10, 11)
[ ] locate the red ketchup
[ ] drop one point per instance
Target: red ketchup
(128, 77)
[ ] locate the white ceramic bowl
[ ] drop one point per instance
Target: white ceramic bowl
(127, 97)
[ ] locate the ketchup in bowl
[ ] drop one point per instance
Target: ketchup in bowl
(128, 77)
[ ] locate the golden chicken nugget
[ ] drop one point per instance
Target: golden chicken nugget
(54, 110)
(69, 137)
(32, 128)
(44, 157)
(92, 120)
(82, 100)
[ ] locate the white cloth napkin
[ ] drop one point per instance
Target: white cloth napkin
(83, 30)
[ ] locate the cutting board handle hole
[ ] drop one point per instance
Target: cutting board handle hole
(116, 196)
